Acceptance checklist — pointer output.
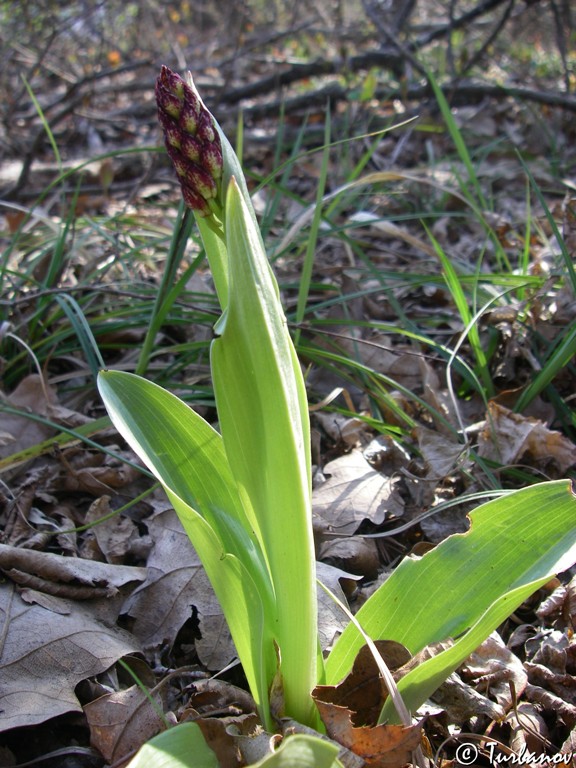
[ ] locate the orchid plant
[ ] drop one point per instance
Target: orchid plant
(243, 494)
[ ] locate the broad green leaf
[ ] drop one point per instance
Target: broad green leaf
(187, 457)
(302, 751)
(468, 584)
(183, 451)
(184, 747)
(422, 681)
(180, 747)
(263, 414)
(246, 611)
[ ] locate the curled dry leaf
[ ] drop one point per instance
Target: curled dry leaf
(461, 702)
(52, 573)
(115, 536)
(440, 453)
(509, 438)
(553, 650)
(94, 473)
(562, 685)
(494, 668)
(550, 702)
(345, 429)
(569, 747)
(227, 718)
(230, 737)
(350, 711)
(331, 619)
(529, 730)
(560, 606)
(353, 553)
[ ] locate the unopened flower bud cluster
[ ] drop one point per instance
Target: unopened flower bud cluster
(191, 139)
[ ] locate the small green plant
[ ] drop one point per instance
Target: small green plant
(244, 494)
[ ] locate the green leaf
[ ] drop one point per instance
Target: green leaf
(217, 255)
(183, 451)
(180, 747)
(302, 751)
(263, 414)
(184, 747)
(187, 456)
(245, 607)
(467, 585)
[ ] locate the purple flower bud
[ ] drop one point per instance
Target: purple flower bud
(189, 119)
(195, 202)
(212, 159)
(192, 149)
(192, 140)
(201, 182)
(172, 136)
(206, 130)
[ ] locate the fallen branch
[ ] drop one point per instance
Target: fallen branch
(460, 93)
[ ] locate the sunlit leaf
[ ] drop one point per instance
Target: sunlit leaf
(467, 585)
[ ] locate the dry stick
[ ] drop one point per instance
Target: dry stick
(388, 59)
(461, 93)
(74, 96)
(563, 31)
(469, 90)
(490, 39)
(317, 68)
(389, 37)
(456, 23)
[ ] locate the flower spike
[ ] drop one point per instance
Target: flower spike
(192, 142)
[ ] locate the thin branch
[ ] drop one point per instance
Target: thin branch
(456, 23)
(473, 61)
(459, 93)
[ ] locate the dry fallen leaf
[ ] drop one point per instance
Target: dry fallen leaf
(345, 429)
(350, 710)
(122, 721)
(175, 588)
(66, 576)
(440, 453)
(569, 748)
(47, 650)
(358, 555)
(331, 619)
(461, 701)
(509, 438)
(494, 668)
(33, 394)
(114, 535)
(354, 492)
(529, 730)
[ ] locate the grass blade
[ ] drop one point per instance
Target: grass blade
(78, 321)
